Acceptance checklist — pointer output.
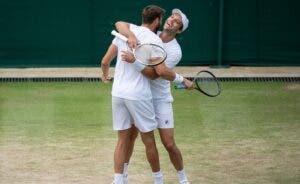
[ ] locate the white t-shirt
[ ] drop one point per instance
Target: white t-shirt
(160, 87)
(128, 82)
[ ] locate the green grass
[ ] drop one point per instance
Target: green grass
(40, 108)
(62, 133)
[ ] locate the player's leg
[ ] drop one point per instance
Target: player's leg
(152, 156)
(164, 117)
(121, 150)
(122, 123)
(142, 112)
(151, 150)
(133, 135)
(167, 138)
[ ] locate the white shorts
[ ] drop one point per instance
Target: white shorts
(126, 112)
(164, 114)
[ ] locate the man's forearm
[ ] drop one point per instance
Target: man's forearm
(163, 71)
(105, 70)
(110, 54)
(150, 73)
(123, 28)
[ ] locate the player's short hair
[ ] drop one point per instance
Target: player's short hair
(151, 12)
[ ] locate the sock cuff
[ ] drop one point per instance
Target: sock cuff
(118, 178)
(157, 174)
(125, 170)
(181, 171)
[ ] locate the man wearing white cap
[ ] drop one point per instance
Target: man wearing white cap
(160, 88)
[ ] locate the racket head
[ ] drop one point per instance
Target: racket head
(207, 83)
(150, 54)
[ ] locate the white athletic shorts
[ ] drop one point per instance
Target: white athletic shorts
(126, 112)
(164, 114)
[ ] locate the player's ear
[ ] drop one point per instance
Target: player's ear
(179, 31)
(157, 20)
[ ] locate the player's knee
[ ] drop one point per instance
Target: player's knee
(148, 138)
(148, 142)
(170, 146)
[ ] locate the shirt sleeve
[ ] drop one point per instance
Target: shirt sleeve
(116, 41)
(132, 26)
(175, 57)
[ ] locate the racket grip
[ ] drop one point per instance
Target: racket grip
(180, 86)
(118, 35)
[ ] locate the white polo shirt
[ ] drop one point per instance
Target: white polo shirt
(128, 82)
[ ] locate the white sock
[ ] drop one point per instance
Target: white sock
(181, 175)
(125, 171)
(118, 178)
(158, 177)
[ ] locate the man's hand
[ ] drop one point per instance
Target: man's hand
(105, 79)
(132, 41)
(128, 56)
(189, 84)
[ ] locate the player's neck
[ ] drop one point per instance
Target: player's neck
(166, 36)
(149, 26)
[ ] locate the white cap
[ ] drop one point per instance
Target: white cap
(184, 19)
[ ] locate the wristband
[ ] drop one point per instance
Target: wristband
(139, 66)
(178, 79)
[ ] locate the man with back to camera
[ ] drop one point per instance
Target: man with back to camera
(132, 99)
(125, 97)
(160, 88)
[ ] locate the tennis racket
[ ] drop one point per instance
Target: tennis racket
(206, 83)
(148, 53)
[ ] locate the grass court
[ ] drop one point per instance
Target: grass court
(61, 132)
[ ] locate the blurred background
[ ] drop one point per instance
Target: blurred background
(76, 33)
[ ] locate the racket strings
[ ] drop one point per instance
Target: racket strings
(207, 83)
(150, 54)
(143, 53)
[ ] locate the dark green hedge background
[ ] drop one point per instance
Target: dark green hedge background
(71, 33)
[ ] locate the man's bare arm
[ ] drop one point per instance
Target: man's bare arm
(150, 73)
(163, 71)
(166, 73)
(110, 54)
(124, 29)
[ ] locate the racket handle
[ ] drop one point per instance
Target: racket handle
(180, 86)
(118, 35)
